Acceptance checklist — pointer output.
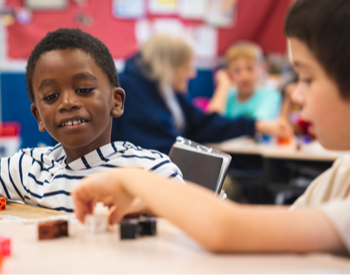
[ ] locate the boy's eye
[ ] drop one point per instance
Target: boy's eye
(307, 81)
(50, 97)
(84, 90)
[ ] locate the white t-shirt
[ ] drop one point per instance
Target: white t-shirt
(330, 193)
(41, 177)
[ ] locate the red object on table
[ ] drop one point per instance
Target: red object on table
(2, 203)
(5, 244)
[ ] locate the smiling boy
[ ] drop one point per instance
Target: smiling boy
(74, 87)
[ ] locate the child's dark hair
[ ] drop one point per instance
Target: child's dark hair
(72, 39)
(324, 25)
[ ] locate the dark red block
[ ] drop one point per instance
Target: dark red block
(52, 229)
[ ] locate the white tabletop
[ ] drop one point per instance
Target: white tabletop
(170, 251)
(246, 145)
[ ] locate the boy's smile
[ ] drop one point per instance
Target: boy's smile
(75, 101)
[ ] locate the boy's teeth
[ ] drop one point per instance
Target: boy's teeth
(75, 122)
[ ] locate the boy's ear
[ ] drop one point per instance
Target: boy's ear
(118, 99)
(37, 116)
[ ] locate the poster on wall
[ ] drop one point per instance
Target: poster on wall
(127, 9)
(46, 5)
(193, 9)
(221, 13)
(163, 7)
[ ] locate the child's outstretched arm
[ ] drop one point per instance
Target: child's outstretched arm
(223, 84)
(215, 224)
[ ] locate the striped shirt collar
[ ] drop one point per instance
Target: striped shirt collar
(93, 159)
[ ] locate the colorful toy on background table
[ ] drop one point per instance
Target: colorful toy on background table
(284, 141)
(52, 229)
(2, 203)
(5, 246)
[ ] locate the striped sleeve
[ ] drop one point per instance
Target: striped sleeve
(12, 170)
(165, 168)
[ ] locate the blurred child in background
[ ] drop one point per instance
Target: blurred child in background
(238, 93)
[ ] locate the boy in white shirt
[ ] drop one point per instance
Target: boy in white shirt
(73, 84)
(319, 220)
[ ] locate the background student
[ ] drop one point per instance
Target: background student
(319, 220)
(74, 87)
(158, 108)
(239, 91)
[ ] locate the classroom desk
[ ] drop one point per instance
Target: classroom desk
(276, 169)
(29, 212)
(245, 145)
(170, 251)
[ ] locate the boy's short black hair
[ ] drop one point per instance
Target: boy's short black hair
(72, 39)
(324, 25)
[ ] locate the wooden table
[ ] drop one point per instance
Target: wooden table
(29, 212)
(169, 252)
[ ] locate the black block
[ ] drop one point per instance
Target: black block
(129, 230)
(148, 227)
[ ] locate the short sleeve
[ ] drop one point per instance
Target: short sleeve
(338, 213)
(11, 177)
(268, 107)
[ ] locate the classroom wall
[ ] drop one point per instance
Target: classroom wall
(260, 21)
(15, 106)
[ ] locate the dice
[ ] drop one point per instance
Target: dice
(2, 203)
(52, 229)
(5, 246)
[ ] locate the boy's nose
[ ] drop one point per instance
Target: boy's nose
(69, 101)
(298, 95)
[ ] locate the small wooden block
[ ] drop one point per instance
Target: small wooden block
(5, 246)
(52, 229)
(2, 203)
(63, 227)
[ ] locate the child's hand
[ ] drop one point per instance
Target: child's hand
(106, 188)
(223, 79)
(280, 128)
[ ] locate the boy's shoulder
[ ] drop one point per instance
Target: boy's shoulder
(128, 150)
(53, 152)
(130, 155)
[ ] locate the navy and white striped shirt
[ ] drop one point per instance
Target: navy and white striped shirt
(41, 177)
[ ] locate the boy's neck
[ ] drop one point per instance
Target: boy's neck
(242, 97)
(76, 153)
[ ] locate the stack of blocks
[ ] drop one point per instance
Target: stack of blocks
(52, 229)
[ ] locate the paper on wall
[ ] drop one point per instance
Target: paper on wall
(163, 6)
(128, 9)
(193, 9)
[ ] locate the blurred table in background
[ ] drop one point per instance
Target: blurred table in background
(272, 173)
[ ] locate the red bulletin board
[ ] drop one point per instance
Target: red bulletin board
(260, 21)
